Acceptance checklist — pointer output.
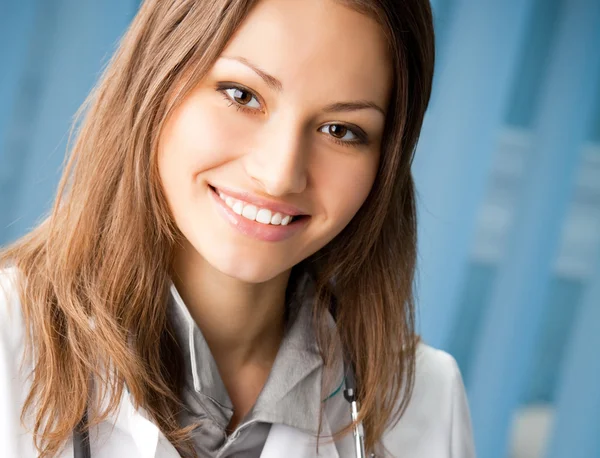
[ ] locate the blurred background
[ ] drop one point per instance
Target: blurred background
(508, 176)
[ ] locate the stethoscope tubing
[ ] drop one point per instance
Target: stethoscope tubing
(81, 439)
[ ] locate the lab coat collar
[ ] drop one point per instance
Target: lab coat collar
(151, 443)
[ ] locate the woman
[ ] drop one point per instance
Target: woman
(230, 258)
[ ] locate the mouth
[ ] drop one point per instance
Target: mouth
(268, 232)
(294, 218)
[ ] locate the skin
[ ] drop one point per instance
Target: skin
(280, 146)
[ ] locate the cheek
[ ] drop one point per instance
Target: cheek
(345, 187)
(197, 137)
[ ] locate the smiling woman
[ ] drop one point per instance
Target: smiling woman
(228, 267)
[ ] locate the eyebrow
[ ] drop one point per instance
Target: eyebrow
(270, 80)
(277, 86)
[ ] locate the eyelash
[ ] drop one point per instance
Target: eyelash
(222, 88)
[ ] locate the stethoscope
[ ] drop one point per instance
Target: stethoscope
(350, 396)
(81, 442)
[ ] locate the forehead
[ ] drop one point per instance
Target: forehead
(319, 45)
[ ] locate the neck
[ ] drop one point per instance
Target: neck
(242, 323)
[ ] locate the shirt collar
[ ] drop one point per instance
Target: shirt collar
(293, 392)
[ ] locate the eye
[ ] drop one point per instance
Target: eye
(344, 135)
(240, 97)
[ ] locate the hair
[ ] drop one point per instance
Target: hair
(97, 266)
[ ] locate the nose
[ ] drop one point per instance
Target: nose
(278, 159)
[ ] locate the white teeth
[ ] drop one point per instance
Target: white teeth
(238, 207)
(276, 219)
(251, 212)
(263, 216)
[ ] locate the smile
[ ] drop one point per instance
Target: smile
(256, 222)
(254, 213)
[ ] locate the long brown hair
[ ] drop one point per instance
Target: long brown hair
(97, 267)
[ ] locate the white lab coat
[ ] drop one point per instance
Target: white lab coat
(435, 425)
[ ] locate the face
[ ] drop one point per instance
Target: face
(289, 121)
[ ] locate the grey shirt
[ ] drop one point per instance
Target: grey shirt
(291, 395)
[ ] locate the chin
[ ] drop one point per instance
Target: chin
(253, 275)
(249, 271)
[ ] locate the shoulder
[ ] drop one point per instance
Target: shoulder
(15, 440)
(437, 420)
(12, 330)
(436, 371)
(12, 327)
(11, 318)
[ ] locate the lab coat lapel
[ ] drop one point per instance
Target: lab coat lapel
(148, 439)
(295, 443)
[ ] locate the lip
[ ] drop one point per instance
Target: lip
(262, 202)
(265, 232)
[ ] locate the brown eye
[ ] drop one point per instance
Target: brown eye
(337, 130)
(242, 97)
(345, 135)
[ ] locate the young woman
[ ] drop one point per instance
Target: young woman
(227, 270)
